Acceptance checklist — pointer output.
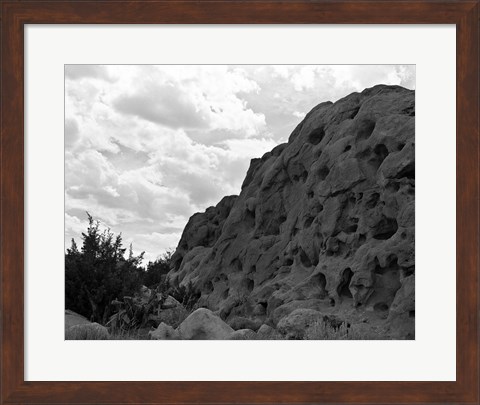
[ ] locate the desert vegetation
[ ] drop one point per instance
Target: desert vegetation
(108, 285)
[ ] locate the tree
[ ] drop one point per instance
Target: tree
(157, 270)
(99, 273)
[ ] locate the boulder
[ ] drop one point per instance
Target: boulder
(203, 324)
(72, 318)
(171, 312)
(87, 331)
(77, 327)
(266, 332)
(164, 332)
(243, 334)
(295, 325)
(239, 322)
(283, 310)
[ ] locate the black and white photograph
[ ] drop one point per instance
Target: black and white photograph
(240, 202)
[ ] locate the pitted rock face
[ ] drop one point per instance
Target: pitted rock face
(324, 222)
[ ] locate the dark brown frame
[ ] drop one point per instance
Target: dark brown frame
(15, 14)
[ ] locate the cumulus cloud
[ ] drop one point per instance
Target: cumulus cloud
(76, 72)
(166, 105)
(148, 146)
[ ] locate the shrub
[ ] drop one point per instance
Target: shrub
(99, 273)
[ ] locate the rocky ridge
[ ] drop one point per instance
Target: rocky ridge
(325, 222)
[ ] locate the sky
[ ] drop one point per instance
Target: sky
(147, 146)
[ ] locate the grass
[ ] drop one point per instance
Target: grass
(322, 330)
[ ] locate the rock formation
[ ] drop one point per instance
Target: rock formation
(325, 222)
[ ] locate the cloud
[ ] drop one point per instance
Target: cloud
(71, 132)
(165, 105)
(77, 72)
(148, 146)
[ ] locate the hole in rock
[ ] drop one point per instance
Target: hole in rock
(391, 264)
(282, 219)
(208, 287)
(352, 228)
(408, 172)
(323, 172)
(411, 314)
(400, 146)
(236, 264)
(365, 129)
(343, 289)
(308, 222)
(347, 148)
(410, 111)
(288, 262)
(385, 228)
(248, 284)
(372, 200)
(310, 194)
(250, 218)
(380, 153)
(316, 136)
(392, 186)
(304, 259)
(354, 112)
(380, 307)
(320, 280)
(408, 271)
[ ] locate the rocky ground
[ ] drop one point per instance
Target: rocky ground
(320, 243)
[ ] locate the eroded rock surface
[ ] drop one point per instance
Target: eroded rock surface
(325, 222)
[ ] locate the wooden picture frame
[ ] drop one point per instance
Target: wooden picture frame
(15, 14)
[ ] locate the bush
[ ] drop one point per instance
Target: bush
(157, 270)
(188, 296)
(99, 273)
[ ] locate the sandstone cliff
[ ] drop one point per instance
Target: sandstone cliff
(323, 222)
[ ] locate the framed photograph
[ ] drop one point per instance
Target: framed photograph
(216, 202)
